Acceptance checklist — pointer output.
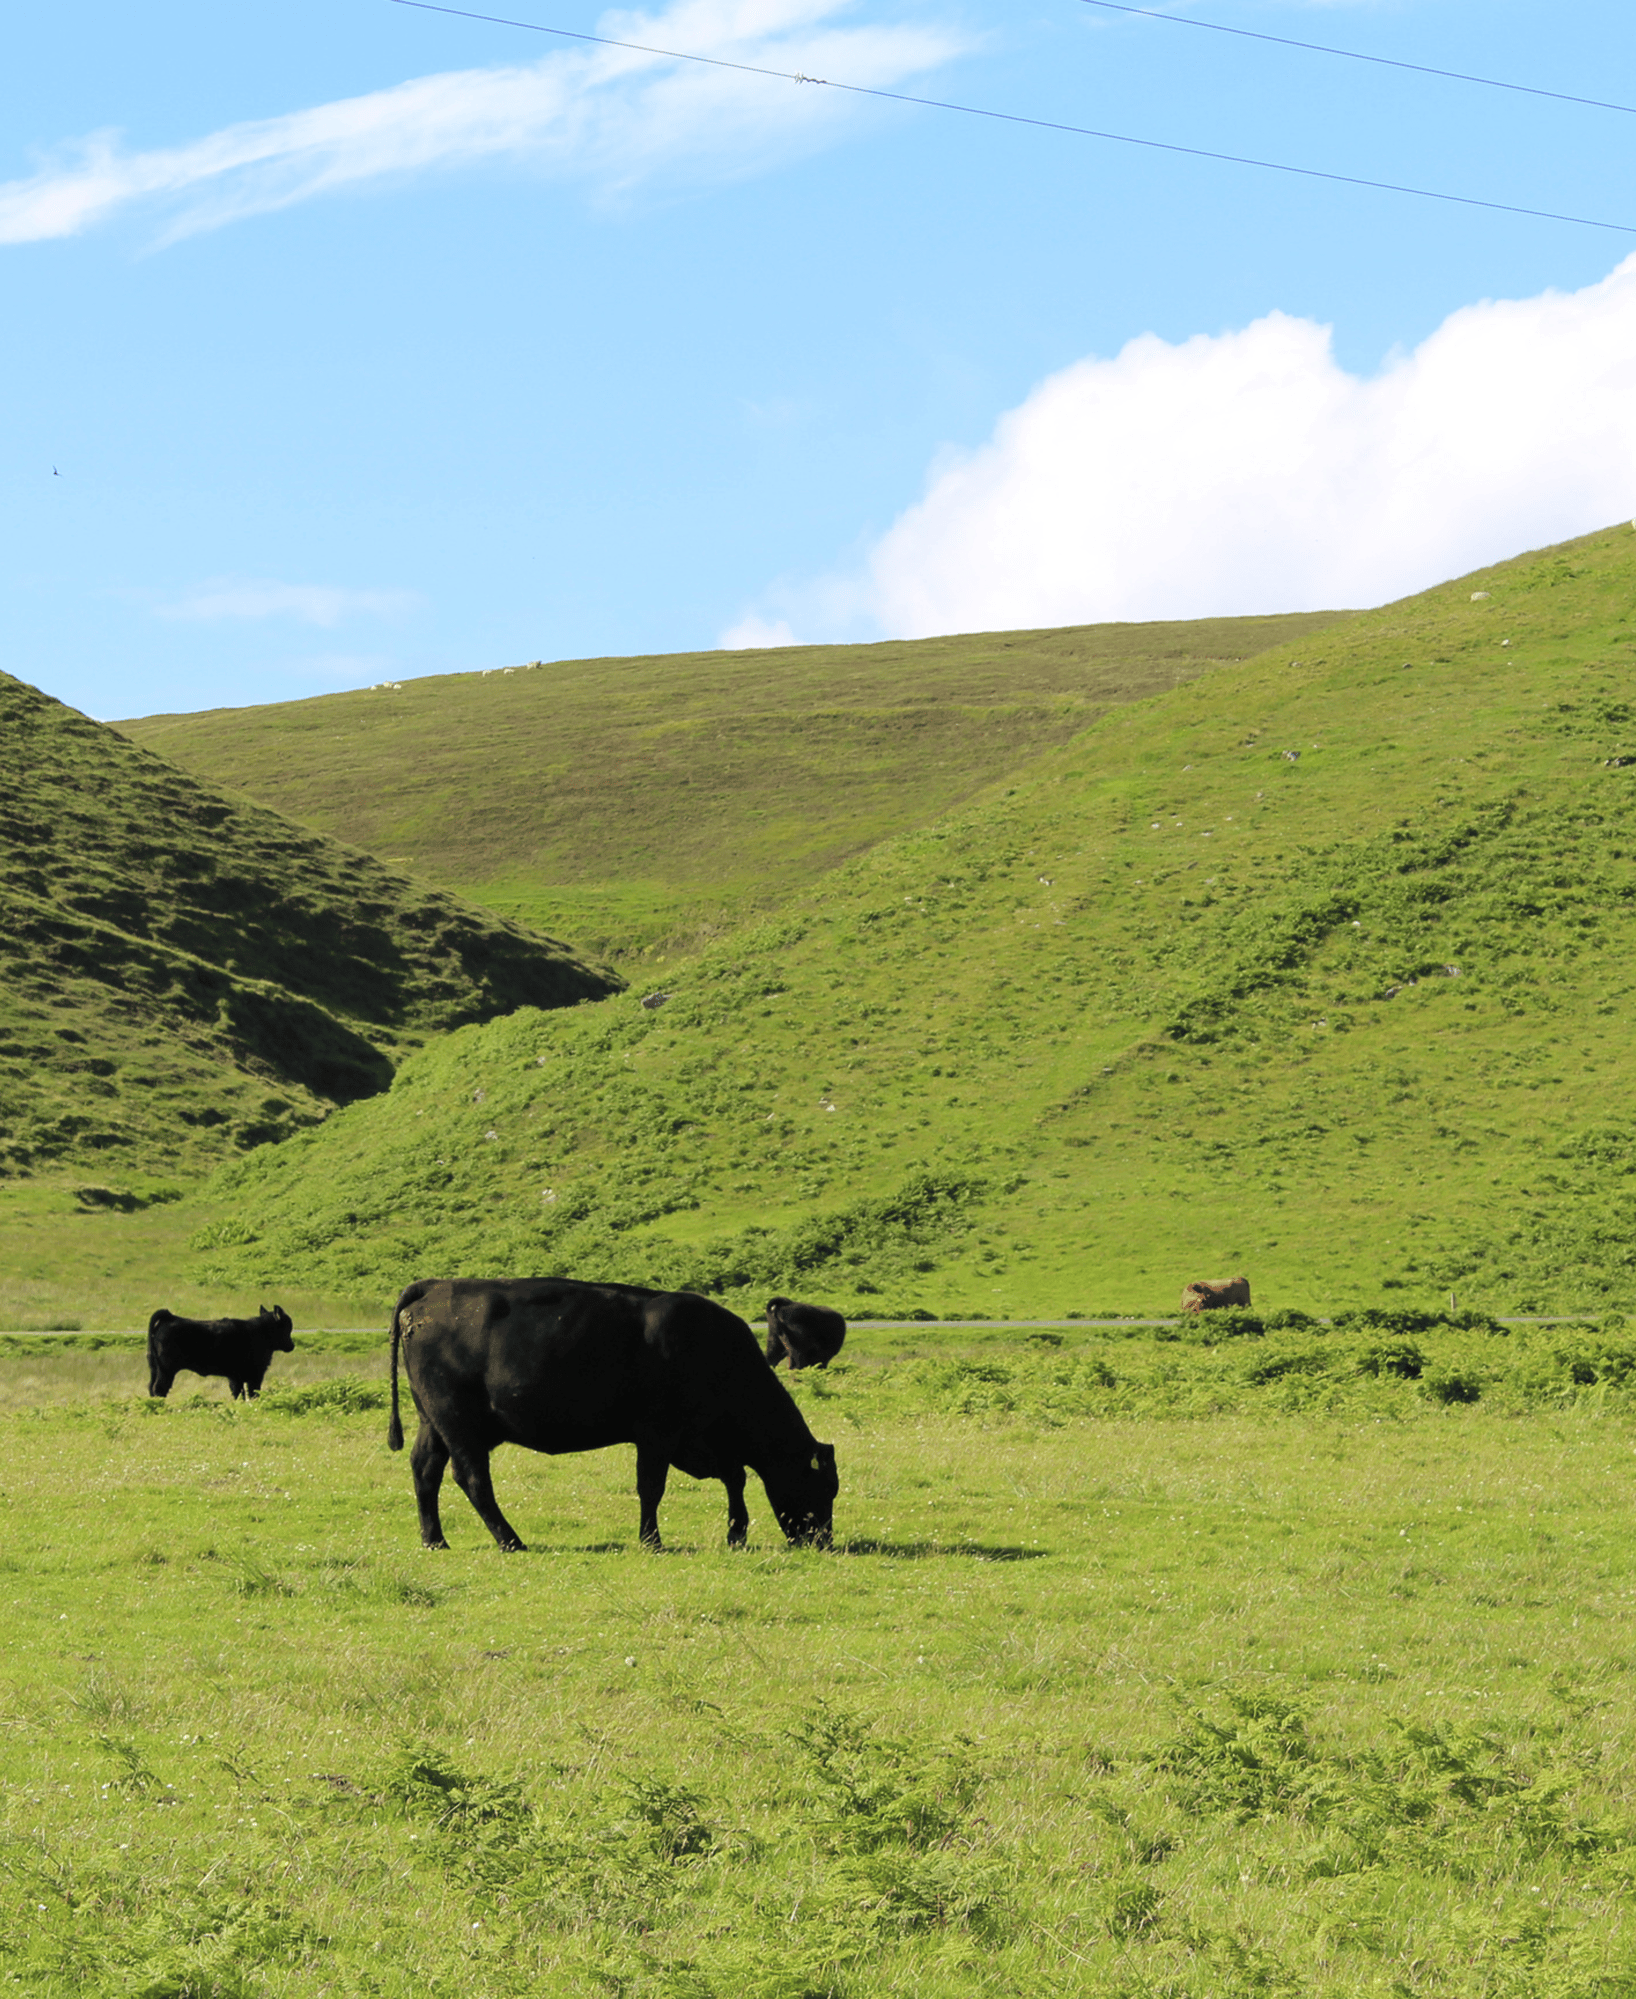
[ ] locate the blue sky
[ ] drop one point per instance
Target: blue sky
(351, 342)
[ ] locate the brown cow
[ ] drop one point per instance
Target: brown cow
(1209, 1295)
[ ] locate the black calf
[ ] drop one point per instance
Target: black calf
(240, 1349)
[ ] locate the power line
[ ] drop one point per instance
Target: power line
(1357, 55)
(1017, 118)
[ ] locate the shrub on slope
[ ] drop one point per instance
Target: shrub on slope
(1315, 968)
(181, 967)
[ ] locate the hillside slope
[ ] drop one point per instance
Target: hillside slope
(184, 972)
(641, 804)
(1320, 968)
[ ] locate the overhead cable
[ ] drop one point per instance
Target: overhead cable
(1357, 55)
(1017, 118)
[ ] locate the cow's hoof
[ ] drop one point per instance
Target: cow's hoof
(513, 1548)
(438, 1543)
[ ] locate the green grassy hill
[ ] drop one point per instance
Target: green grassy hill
(641, 805)
(1318, 968)
(185, 973)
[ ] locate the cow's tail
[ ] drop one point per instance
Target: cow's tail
(394, 1429)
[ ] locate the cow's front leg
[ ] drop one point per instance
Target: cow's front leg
(427, 1461)
(652, 1470)
(471, 1471)
(235, 1387)
(738, 1514)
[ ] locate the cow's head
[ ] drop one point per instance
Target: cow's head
(801, 1492)
(278, 1326)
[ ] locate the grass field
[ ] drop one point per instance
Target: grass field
(641, 806)
(1317, 1683)
(1318, 968)
(1255, 1656)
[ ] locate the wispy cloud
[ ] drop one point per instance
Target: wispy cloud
(606, 112)
(309, 603)
(754, 634)
(341, 670)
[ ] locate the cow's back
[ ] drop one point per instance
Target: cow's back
(559, 1365)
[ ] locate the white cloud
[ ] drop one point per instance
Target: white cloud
(311, 603)
(609, 112)
(751, 634)
(1248, 472)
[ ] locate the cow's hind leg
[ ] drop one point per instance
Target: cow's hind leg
(471, 1472)
(427, 1461)
(160, 1381)
(652, 1470)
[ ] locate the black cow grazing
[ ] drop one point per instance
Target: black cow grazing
(811, 1335)
(556, 1365)
(242, 1349)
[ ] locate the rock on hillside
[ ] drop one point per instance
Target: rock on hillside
(185, 971)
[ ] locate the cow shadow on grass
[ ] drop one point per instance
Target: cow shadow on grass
(927, 1551)
(892, 1551)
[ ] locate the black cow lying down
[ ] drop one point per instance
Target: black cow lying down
(811, 1335)
(556, 1365)
(242, 1349)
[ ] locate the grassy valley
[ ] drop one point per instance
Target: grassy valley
(1125, 1677)
(1318, 967)
(187, 974)
(643, 806)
